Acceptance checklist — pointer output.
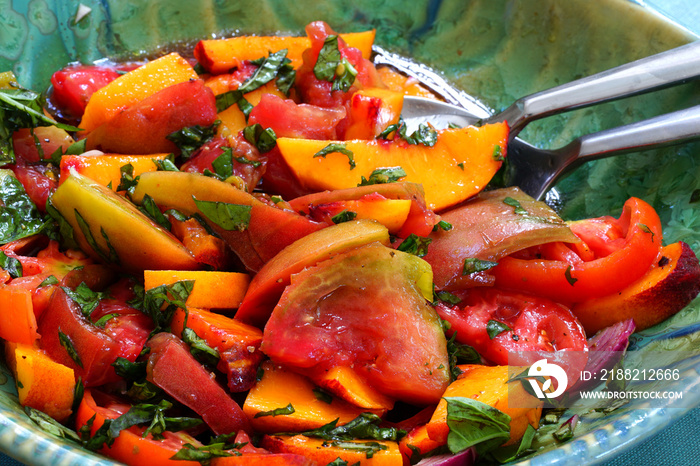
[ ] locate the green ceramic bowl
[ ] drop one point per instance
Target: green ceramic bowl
(496, 50)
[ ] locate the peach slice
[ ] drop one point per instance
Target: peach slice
(671, 284)
(489, 384)
(42, 383)
(278, 388)
(221, 55)
(135, 86)
(106, 169)
(110, 228)
(459, 165)
(371, 111)
(211, 290)
(344, 383)
(324, 452)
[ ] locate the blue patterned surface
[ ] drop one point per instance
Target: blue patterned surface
(643, 436)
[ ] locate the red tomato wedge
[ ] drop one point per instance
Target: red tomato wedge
(174, 369)
(364, 309)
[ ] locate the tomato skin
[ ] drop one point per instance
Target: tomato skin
(74, 85)
(574, 281)
(130, 447)
(123, 335)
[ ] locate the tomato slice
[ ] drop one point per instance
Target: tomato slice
(131, 447)
(174, 369)
(363, 309)
(534, 328)
(622, 250)
(96, 348)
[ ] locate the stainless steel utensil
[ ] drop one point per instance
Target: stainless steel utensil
(535, 170)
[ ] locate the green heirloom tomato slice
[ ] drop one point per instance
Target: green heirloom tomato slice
(363, 309)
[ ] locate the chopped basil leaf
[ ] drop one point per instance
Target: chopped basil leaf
(447, 297)
(78, 393)
(225, 100)
(50, 280)
(49, 425)
(150, 209)
(328, 59)
(167, 164)
(425, 134)
(199, 348)
(268, 69)
(21, 108)
(143, 391)
(513, 452)
(223, 164)
(474, 265)
(245, 107)
(286, 411)
(416, 245)
(368, 448)
(495, 328)
(264, 139)
(202, 454)
(459, 353)
(77, 147)
(569, 278)
(340, 148)
(151, 415)
(442, 225)
(343, 216)
(85, 298)
(65, 230)
(102, 321)
(228, 216)
(519, 210)
(108, 256)
(475, 424)
(191, 138)
(246, 161)
(322, 395)
(129, 370)
(67, 343)
(127, 181)
(161, 302)
(646, 229)
(11, 265)
(345, 75)
(19, 217)
(384, 175)
(364, 426)
(498, 154)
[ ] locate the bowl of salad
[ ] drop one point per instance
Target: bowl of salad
(220, 243)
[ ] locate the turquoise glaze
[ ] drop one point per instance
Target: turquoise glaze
(496, 50)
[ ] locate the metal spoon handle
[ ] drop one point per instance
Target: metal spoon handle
(654, 72)
(672, 128)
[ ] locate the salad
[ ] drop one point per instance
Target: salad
(246, 257)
